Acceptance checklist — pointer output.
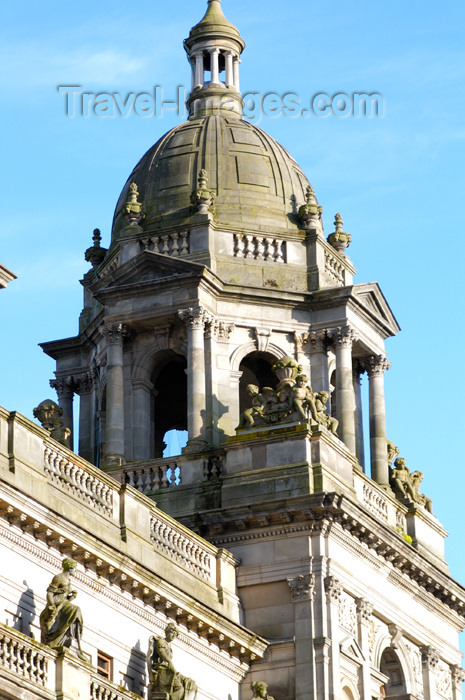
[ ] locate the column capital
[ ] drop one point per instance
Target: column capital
(115, 333)
(364, 609)
(458, 675)
(333, 588)
(195, 317)
(429, 657)
(302, 587)
(377, 365)
(214, 50)
(86, 382)
(64, 386)
(342, 337)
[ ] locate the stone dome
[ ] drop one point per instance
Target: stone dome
(258, 186)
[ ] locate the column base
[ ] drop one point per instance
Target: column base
(113, 461)
(197, 444)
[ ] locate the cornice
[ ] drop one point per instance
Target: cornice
(318, 512)
(149, 593)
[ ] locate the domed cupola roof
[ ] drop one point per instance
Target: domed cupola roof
(255, 185)
(213, 24)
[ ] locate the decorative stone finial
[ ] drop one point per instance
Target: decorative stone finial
(310, 212)
(95, 254)
(339, 239)
(49, 414)
(202, 198)
(133, 209)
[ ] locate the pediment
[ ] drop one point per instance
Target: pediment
(351, 648)
(145, 268)
(372, 301)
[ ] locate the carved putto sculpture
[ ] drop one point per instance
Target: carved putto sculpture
(406, 485)
(292, 401)
(49, 413)
(61, 620)
(165, 683)
(259, 689)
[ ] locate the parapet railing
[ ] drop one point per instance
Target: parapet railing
(102, 689)
(24, 657)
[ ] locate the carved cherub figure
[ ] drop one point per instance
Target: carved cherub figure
(302, 398)
(163, 677)
(407, 485)
(259, 689)
(416, 479)
(323, 417)
(259, 403)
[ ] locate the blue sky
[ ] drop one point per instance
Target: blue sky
(398, 180)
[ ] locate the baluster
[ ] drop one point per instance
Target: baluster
(164, 478)
(156, 244)
(184, 243)
(175, 246)
(151, 479)
(259, 249)
(268, 249)
(145, 243)
(279, 251)
(143, 481)
(238, 245)
(249, 246)
(166, 245)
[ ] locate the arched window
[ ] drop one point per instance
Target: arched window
(169, 405)
(391, 667)
(256, 369)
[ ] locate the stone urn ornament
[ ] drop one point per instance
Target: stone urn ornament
(202, 198)
(310, 212)
(340, 240)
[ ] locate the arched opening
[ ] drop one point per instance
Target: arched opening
(256, 369)
(169, 405)
(391, 667)
(347, 693)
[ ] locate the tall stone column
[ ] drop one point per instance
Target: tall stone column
(236, 63)
(64, 386)
(303, 590)
(215, 65)
(115, 335)
(376, 367)
(318, 361)
(359, 443)
(142, 393)
(85, 387)
(199, 71)
(195, 319)
(229, 69)
(345, 400)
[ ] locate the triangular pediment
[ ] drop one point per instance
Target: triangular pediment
(370, 299)
(145, 268)
(351, 648)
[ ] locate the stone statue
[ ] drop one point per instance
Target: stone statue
(49, 413)
(392, 451)
(406, 485)
(61, 620)
(259, 689)
(165, 683)
(293, 401)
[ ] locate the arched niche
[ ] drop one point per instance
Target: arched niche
(390, 665)
(159, 386)
(348, 691)
(255, 369)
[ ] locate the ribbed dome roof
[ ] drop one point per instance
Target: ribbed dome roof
(258, 186)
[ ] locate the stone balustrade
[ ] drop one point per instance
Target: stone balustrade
(375, 502)
(174, 244)
(178, 544)
(24, 657)
(264, 248)
(66, 472)
(101, 689)
(152, 477)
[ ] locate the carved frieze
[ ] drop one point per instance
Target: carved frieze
(348, 614)
(416, 664)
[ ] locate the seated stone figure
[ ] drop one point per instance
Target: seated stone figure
(259, 689)
(324, 418)
(406, 485)
(259, 402)
(61, 620)
(165, 683)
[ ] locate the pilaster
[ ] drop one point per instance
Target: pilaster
(364, 618)
(303, 591)
(430, 660)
